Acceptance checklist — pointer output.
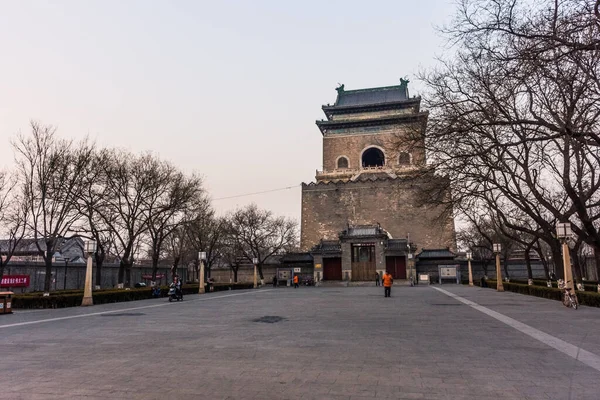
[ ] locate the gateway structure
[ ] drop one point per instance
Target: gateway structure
(365, 211)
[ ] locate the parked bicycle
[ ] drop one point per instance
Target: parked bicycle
(569, 298)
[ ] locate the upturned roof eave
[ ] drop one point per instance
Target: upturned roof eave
(371, 121)
(366, 107)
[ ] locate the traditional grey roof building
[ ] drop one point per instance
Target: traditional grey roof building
(69, 249)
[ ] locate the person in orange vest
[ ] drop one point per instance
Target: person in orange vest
(387, 284)
(295, 281)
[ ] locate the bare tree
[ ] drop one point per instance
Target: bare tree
(176, 243)
(260, 235)
(206, 232)
(232, 253)
(167, 206)
(95, 210)
(51, 171)
(128, 182)
(13, 215)
(514, 113)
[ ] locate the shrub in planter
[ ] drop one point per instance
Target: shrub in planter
(591, 299)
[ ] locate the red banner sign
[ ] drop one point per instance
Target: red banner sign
(15, 281)
(149, 276)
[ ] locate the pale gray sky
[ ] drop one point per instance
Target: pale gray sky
(230, 89)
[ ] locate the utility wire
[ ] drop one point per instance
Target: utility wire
(252, 194)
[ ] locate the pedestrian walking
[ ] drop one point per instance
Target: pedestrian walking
(274, 280)
(387, 284)
(295, 281)
(377, 281)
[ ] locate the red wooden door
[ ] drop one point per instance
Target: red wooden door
(332, 269)
(396, 266)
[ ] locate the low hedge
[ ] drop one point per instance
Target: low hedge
(74, 298)
(591, 299)
(588, 285)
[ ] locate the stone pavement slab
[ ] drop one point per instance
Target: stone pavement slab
(331, 343)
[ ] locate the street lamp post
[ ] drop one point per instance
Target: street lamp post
(202, 258)
(90, 248)
(411, 267)
(255, 262)
(469, 257)
(564, 233)
(497, 250)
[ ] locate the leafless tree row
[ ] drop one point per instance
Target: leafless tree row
(130, 204)
(515, 119)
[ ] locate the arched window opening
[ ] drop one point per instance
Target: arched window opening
(373, 157)
(404, 159)
(342, 163)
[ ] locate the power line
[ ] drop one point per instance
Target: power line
(252, 194)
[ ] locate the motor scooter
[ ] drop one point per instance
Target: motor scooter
(173, 295)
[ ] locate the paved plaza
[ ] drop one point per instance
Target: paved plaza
(307, 343)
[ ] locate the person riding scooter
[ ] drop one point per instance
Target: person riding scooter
(176, 285)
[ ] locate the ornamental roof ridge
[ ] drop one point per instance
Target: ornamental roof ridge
(376, 95)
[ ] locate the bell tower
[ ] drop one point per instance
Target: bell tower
(373, 172)
(371, 132)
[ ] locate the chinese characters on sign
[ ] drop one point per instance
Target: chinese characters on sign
(15, 281)
(149, 276)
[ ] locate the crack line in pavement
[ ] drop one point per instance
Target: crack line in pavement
(127, 309)
(586, 357)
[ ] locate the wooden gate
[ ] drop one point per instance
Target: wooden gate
(363, 261)
(363, 271)
(396, 266)
(332, 269)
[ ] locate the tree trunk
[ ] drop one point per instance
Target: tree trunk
(121, 272)
(2, 266)
(260, 271)
(48, 279)
(528, 264)
(99, 261)
(174, 267)
(546, 268)
(235, 273)
(577, 269)
(559, 270)
(65, 277)
(505, 266)
(597, 260)
(128, 275)
(154, 267)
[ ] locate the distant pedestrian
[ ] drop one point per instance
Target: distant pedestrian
(295, 281)
(274, 280)
(377, 281)
(387, 284)
(483, 282)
